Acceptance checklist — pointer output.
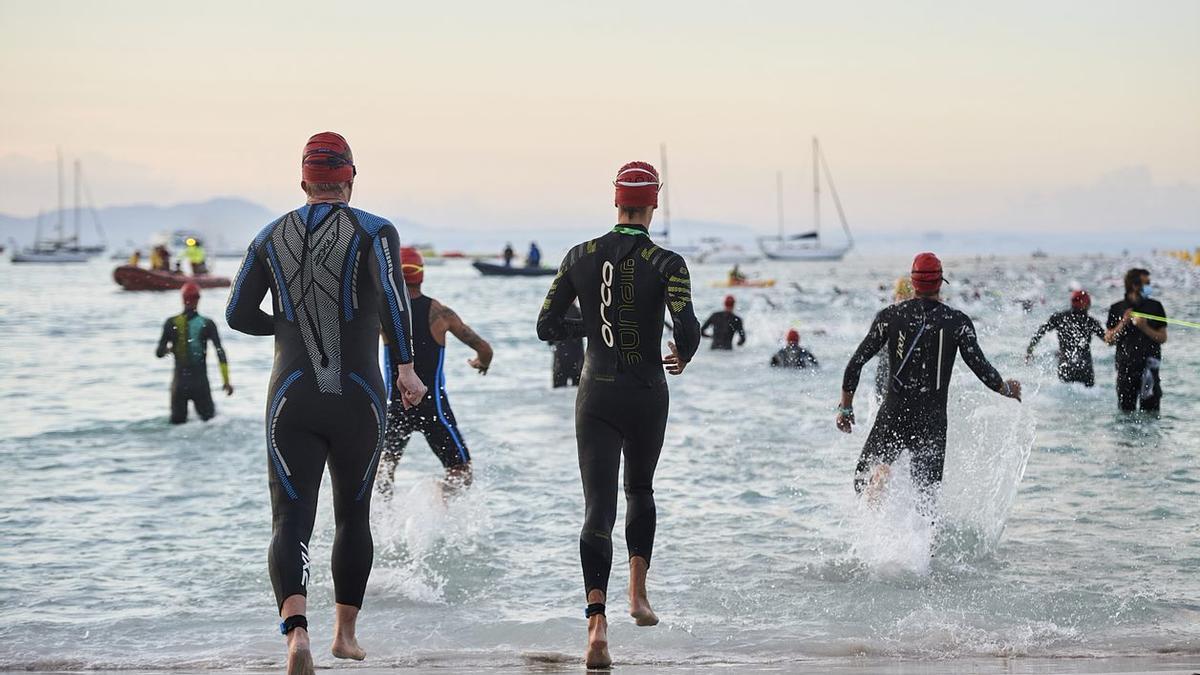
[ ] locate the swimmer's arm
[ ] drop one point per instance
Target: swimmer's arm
(704, 332)
(968, 347)
(1116, 324)
(686, 328)
(465, 334)
(1096, 328)
(395, 310)
(874, 341)
(168, 337)
(243, 313)
(741, 331)
(211, 331)
(1037, 336)
(552, 323)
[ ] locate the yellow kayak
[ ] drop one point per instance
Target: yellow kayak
(746, 283)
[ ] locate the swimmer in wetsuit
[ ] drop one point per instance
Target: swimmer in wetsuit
(902, 291)
(334, 276)
(793, 355)
(724, 325)
(188, 335)
(624, 283)
(432, 417)
(568, 355)
(922, 336)
(1075, 328)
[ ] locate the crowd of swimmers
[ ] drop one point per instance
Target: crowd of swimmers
(338, 280)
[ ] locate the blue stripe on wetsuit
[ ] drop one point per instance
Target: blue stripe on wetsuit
(251, 259)
(437, 396)
(381, 416)
(284, 298)
(347, 291)
(275, 402)
(387, 281)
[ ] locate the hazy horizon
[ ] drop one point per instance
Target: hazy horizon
(1072, 116)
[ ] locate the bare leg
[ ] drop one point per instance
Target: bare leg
(458, 478)
(299, 661)
(345, 644)
(597, 653)
(877, 484)
(639, 605)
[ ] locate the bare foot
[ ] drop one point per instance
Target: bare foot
(347, 648)
(639, 605)
(300, 661)
(877, 484)
(597, 653)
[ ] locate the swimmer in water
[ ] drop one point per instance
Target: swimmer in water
(624, 282)
(1075, 329)
(432, 417)
(922, 336)
(724, 325)
(793, 355)
(188, 335)
(568, 355)
(333, 272)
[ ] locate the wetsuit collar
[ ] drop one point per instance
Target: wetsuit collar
(631, 229)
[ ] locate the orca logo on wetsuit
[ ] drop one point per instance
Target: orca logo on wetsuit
(627, 327)
(606, 279)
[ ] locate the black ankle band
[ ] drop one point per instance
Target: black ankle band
(594, 609)
(293, 622)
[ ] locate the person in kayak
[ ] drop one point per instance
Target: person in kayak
(1075, 329)
(902, 291)
(724, 325)
(793, 355)
(187, 336)
(1139, 344)
(567, 365)
(922, 337)
(624, 283)
(432, 417)
(735, 275)
(333, 272)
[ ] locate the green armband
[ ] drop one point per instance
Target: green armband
(225, 373)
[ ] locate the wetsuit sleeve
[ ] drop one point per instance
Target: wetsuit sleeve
(1040, 333)
(812, 360)
(686, 330)
(1096, 328)
(395, 312)
(168, 337)
(775, 362)
(1114, 318)
(707, 324)
(741, 331)
(210, 331)
(552, 322)
(968, 347)
(874, 341)
(243, 313)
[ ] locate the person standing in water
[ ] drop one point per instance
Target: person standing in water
(903, 291)
(1075, 328)
(724, 325)
(432, 417)
(624, 283)
(922, 336)
(1139, 344)
(187, 335)
(568, 354)
(793, 355)
(333, 272)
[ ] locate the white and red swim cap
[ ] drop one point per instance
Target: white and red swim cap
(637, 185)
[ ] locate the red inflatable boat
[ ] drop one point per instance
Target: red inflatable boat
(134, 278)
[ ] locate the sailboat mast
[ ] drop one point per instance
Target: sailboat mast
(666, 187)
(779, 201)
(60, 196)
(76, 215)
(816, 188)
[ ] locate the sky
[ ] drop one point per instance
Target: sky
(1064, 115)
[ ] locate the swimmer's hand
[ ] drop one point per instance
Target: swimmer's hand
(412, 390)
(479, 365)
(228, 389)
(1012, 389)
(845, 420)
(674, 364)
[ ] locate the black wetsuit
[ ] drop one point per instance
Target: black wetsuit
(794, 356)
(191, 374)
(334, 277)
(724, 325)
(1135, 350)
(1075, 329)
(922, 337)
(433, 417)
(623, 282)
(568, 355)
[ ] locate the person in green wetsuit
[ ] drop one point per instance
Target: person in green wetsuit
(187, 335)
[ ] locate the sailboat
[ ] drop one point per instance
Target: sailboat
(807, 245)
(664, 236)
(62, 248)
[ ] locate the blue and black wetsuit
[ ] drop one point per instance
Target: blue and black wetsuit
(922, 337)
(433, 417)
(188, 335)
(624, 283)
(335, 279)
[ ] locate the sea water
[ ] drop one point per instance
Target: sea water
(1064, 528)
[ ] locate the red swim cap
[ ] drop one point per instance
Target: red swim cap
(729, 300)
(412, 266)
(191, 294)
(327, 159)
(637, 185)
(793, 337)
(1080, 300)
(927, 273)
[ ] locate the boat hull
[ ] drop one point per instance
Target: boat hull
(495, 270)
(133, 278)
(51, 257)
(772, 250)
